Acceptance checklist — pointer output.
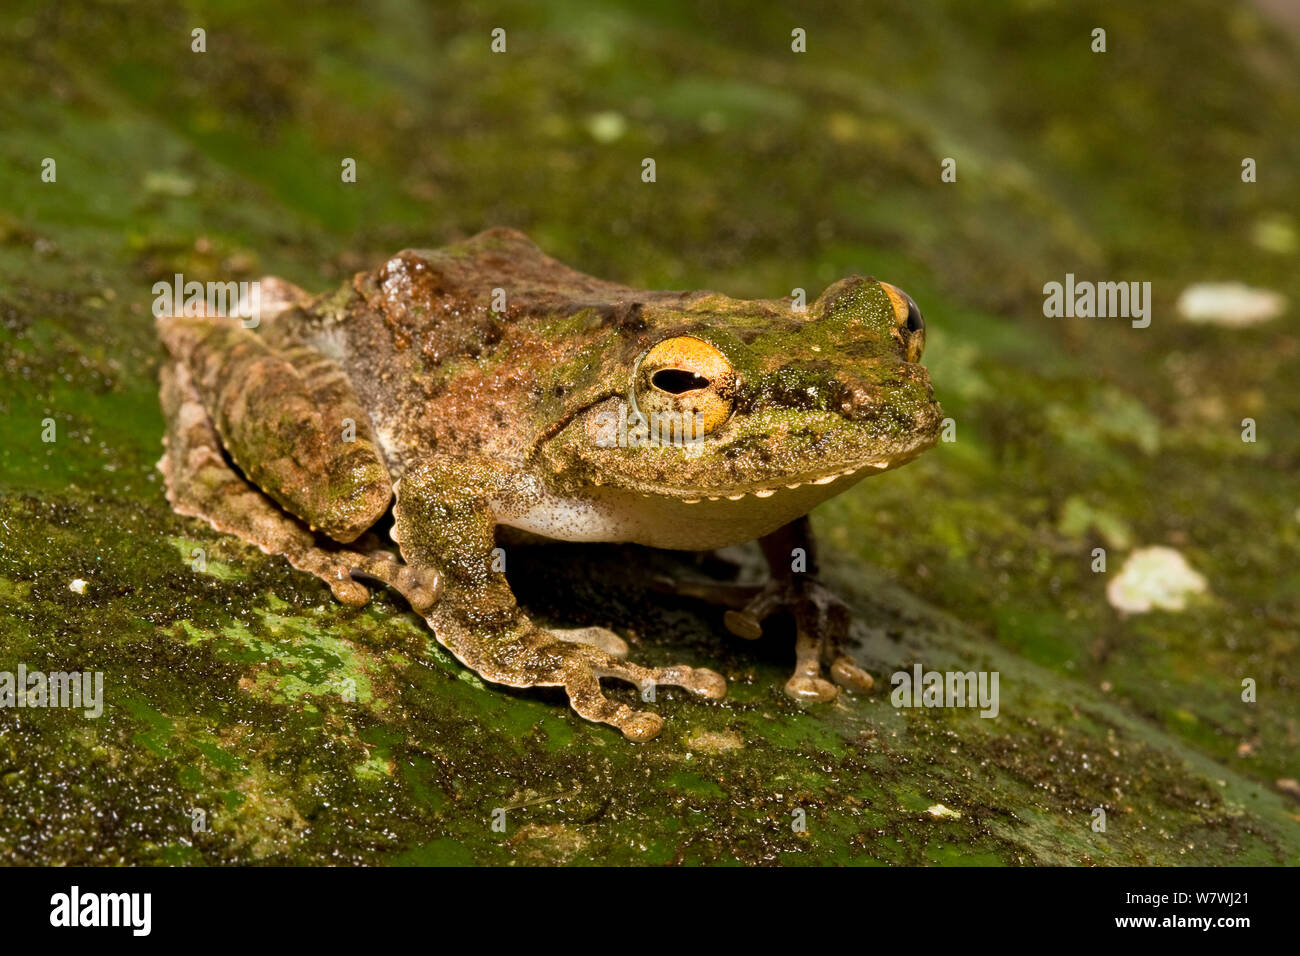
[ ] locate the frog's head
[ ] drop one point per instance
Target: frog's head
(711, 399)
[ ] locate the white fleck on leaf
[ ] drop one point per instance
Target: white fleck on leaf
(1156, 577)
(1229, 303)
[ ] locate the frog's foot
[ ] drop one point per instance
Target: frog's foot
(201, 483)
(517, 653)
(339, 569)
(583, 687)
(821, 625)
(420, 586)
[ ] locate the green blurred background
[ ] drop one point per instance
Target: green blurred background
(775, 170)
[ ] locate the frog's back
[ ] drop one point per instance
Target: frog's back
(450, 348)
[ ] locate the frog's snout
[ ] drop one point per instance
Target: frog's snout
(905, 399)
(918, 420)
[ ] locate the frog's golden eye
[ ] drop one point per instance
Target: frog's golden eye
(911, 325)
(688, 378)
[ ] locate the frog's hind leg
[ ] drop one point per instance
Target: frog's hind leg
(289, 419)
(202, 484)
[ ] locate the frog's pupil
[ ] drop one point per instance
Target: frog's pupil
(914, 321)
(676, 381)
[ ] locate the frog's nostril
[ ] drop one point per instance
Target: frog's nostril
(859, 402)
(854, 397)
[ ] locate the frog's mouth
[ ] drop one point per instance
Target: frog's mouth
(849, 474)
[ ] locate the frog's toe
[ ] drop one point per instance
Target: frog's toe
(512, 650)
(743, 624)
(639, 725)
(335, 569)
(848, 674)
(821, 618)
(816, 690)
(822, 623)
(346, 591)
(708, 683)
(420, 586)
(600, 637)
(700, 681)
(819, 641)
(587, 700)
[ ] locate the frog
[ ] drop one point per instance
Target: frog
(396, 430)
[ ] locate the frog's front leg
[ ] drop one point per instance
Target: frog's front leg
(445, 519)
(821, 618)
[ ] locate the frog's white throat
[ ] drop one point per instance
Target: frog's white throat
(669, 520)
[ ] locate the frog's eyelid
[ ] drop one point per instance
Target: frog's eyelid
(911, 319)
(897, 300)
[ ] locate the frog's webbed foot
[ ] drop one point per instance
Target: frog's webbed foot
(821, 627)
(420, 586)
(515, 652)
(582, 684)
(821, 619)
(339, 568)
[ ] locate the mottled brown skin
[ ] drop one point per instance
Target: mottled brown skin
(477, 387)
